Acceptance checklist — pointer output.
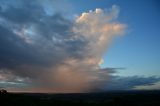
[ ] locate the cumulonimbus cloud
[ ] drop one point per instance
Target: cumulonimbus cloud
(50, 53)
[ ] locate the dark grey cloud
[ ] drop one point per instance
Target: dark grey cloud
(112, 70)
(49, 38)
(33, 43)
(129, 83)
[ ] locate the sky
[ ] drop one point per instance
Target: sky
(79, 46)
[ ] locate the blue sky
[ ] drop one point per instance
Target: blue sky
(138, 50)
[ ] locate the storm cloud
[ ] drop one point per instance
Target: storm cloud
(44, 51)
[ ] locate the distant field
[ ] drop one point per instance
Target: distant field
(118, 98)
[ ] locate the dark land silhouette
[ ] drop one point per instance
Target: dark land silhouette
(3, 91)
(112, 98)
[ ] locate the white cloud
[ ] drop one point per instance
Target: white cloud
(98, 28)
